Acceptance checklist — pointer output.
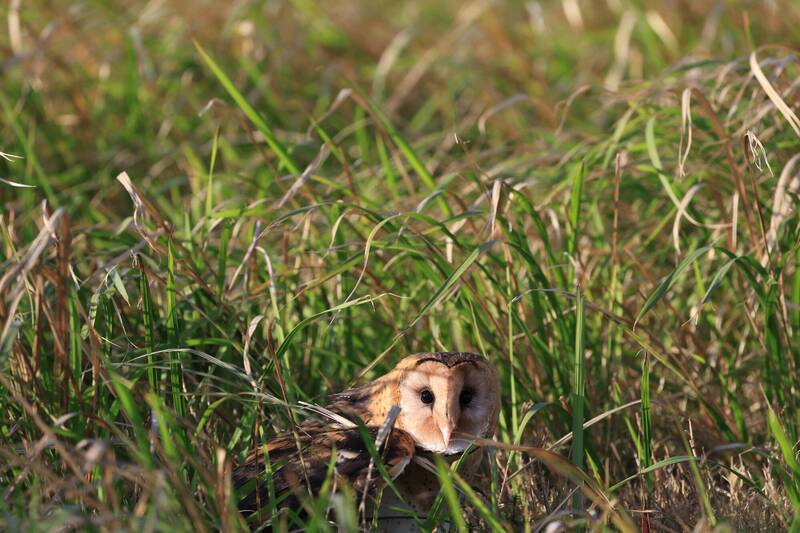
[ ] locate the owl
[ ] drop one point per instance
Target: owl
(445, 399)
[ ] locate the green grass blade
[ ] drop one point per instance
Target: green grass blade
(669, 281)
(249, 111)
(123, 387)
(446, 482)
(578, 395)
(173, 334)
(148, 318)
(484, 512)
(451, 280)
(647, 444)
(210, 180)
(576, 179)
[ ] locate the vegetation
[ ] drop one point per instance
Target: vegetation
(210, 214)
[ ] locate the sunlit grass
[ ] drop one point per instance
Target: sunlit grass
(227, 211)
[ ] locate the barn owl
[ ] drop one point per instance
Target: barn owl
(445, 399)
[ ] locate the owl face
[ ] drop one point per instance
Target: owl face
(443, 405)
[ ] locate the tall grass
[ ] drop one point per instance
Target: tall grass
(219, 213)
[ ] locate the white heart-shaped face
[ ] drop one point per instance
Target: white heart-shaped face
(442, 406)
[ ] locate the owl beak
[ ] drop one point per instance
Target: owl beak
(447, 431)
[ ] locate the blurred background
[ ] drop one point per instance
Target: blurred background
(95, 87)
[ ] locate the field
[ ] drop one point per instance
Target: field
(210, 212)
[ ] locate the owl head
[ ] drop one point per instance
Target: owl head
(446, 398)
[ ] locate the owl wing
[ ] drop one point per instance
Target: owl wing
(359, 402)
(300, 462)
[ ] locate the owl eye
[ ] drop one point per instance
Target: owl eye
(466, 396)
(427, 397)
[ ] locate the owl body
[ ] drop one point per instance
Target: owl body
(445, 400)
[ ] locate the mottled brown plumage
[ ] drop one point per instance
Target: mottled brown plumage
(316, 442)
(445, 398)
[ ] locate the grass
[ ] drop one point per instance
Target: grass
(217, 213)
